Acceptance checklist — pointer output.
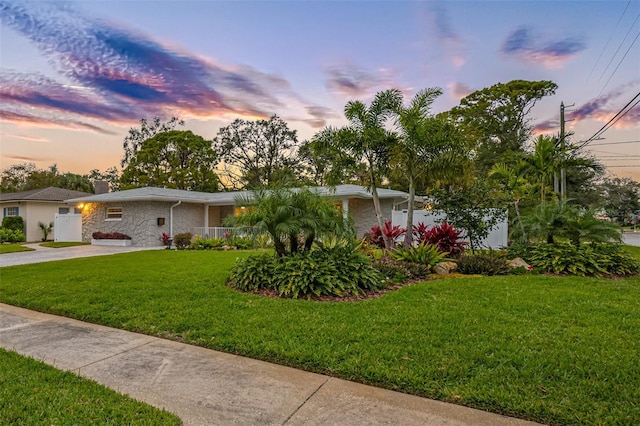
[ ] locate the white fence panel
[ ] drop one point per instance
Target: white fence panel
(68, 227)
(496, 239)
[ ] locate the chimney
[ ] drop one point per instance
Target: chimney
(101, 186)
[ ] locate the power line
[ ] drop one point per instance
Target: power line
(612, 121)
(613, 143)
(610, 37)
(621, 60)
(618, 49)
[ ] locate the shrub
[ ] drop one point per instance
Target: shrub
(15, 223)
(445, 236)
(200, 243)
(399, 271)
(110, 236)
(182, 241)
(487, 263)
(240, 243)
(423, 253)
(11, 236)
(334, 271)
(593, 259)
(377, 236)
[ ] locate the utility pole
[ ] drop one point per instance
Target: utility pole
(563, 172)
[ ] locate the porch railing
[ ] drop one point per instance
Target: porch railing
(223, 231)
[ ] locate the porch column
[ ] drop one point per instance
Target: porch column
(206, 220)
(345, 208)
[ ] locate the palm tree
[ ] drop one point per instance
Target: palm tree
(364, 144)
(514, 184)
(410, 121)
(542, 163)
(287, 215)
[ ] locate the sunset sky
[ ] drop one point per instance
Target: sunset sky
(75, 76)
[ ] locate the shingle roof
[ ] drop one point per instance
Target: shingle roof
(44, 194)
(222, 198)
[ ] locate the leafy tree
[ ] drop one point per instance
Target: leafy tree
(497, 117)
(14, 178)
(173, 159)
(110, 175)
(257, 154)
(621, 198)
(26, 176)
(148, 129)
(476, 208)
(364, 144)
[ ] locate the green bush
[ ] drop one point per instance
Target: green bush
(182, 241)
(334, 271)
(487, 263)
(207, 243)
(399, 271)
(423, 253)
(240, 243)
(11, 236)
(14, 223)
(593, 259)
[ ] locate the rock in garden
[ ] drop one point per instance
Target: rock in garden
(519, 262)
(444, 268)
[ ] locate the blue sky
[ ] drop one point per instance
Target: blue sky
(76, 75)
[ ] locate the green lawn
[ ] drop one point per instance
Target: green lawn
(32, 392)
(61, 244)
(549, 349)
(13, 248)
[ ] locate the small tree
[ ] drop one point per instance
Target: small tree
(46, 229)
(476, 209)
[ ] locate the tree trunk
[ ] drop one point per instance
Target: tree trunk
(408, 235)
(378, 209)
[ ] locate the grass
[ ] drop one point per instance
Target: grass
(633, 250)
(549, 349)
(13, 248)
(32, 392)
(62, 244)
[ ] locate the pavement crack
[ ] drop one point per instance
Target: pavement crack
(116, 354)
(305, 401)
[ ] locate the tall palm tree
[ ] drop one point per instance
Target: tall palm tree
(410, 121)
(365, 144)
(542, 163)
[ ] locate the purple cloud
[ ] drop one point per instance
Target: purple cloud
(531, 48)
(123, 76)
(348, 80)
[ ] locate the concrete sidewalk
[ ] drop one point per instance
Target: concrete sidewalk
(206, 387)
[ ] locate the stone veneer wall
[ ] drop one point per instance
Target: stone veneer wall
(364, 214)
(139, 220)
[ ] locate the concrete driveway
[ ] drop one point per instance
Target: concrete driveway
(46, 254)
(631, 238)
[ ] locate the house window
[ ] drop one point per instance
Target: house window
(77, 210)
(12, 211)
(114, 213)
(63, 210)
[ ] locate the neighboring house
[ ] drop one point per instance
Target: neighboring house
(38, 205)
(145, 213)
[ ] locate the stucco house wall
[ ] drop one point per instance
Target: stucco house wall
(140, 220)
(364, 213)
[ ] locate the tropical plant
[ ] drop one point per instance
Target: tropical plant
(443, 236)
(336, 271)
(386, 236)
(46, 229)
(483, 264)
(423, 253)
(593, 259)
(364, 145)
(286, 216)
(399, 270)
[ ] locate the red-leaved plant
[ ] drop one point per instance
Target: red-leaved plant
(444, 236)
(109, 236)
(377, 236)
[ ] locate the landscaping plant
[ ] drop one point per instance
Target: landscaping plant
(11, 236)
(423, 254)
(483, 263)
(46, 229)
(389, 233)
(444, 236)
(182, 241)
